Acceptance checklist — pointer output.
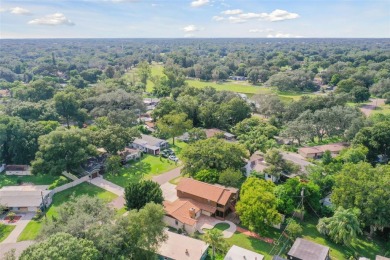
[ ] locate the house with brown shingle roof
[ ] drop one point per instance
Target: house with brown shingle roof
(196, 198)
(319, 150)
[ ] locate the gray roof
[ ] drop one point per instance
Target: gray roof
(21, 198)
(297, 159)
(148, 140)
(276, 257)
(307, 250)
(236, 252)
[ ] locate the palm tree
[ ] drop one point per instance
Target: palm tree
(343, 227)
(214, 238)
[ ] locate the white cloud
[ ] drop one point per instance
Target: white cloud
(191, 28)
(283, 35)
(232, 12)
(199, 3)
(19, 10)
(16, 10)
(235, 19)
(250, 16)
(279, 15)
(124, 1)
(255, 30)
(52, 19)
(218, 18)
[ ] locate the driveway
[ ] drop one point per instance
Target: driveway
(375, 102)
(108, 186)
(20, 225)
(19, 248)
(169, 192)
(167, 176)
(205, 222)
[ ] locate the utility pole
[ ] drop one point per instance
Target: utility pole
(302, 198)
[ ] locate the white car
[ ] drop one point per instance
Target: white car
(173, 158)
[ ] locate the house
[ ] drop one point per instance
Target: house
(94, 166)
(149, 144)
(129, 154)
(151, 103)
(317, 151)
(214, 131)
(255, 163)
(296, 159)
(196, 199)
(25, 198)
(179, 247)
(239, 78)
(207, 194)
(151, 126)
(327, 201)
(236, 252)
(303, 249)
(17, 170)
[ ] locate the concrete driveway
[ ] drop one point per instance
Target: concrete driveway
(19, 248)
(20, 225)
(169, 191)
(167, 176)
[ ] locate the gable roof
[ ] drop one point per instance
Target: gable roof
(204, 190)
(181, 247)
(236, 252)
(179, 209)
(333, 148)
(148, 140)
(22, 196)
(307, 250)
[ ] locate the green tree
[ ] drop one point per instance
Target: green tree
(360, 94)
(293, 229)
(213, 154)
(62, 150)
(113, 164)
(364, 187)
(173, 124)
(143, 71)
(164, 107)
(343, 227)
(62, 246)
(114, 138)
(230, 178)
(214, 238)
(11, 216)
(207, 175)
(138, 194)
(196, 134)
(66, 105)
(257, 204)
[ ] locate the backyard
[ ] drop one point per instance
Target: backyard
(53, 181)
(145, 168)
(34, 226)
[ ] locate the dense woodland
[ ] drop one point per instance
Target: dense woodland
(69, 97)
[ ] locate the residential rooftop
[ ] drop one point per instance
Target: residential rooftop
(306, 250)
(236, 252)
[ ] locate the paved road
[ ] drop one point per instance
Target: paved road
(20, 225)
(166, 177)
(169, 191)
(19, 248)
(368, 108)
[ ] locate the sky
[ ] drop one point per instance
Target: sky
(194, 18)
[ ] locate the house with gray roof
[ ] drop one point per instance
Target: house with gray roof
(27, 198)
(236, 252)
(149, 144)
(303, 249)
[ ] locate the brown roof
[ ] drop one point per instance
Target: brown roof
(204, 190)
(179, 209)
(309, 150)
(213, 131)
(336, 147)
(150, 124)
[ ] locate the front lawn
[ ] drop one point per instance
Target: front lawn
(145, 168)
(53, 181)
(34, 226)
(5, 230)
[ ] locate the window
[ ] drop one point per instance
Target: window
(176, 222)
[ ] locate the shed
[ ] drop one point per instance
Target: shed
(303, 249)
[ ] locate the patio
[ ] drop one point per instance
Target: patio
(205, 222)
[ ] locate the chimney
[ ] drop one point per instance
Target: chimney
(192, 213)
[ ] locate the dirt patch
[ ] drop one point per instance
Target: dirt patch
(254, 235)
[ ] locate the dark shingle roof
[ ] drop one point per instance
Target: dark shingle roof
(307, 250)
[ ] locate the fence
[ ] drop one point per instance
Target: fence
(69, 185)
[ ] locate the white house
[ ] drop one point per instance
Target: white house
(149, 144)
(236, 252)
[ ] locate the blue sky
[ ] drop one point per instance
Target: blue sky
(194, 18)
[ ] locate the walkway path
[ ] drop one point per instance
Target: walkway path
(375, 102)
(20, 225)
(18, 246)
(109, 186)
(167, 176)
(205, 222)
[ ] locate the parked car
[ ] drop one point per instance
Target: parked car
(165, 154)
(173, 158)
(169, 151)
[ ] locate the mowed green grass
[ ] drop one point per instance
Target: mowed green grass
(5, 230)
(11, 180)
(360, 247)
(145, 168)
(33, 227)
(230, 86)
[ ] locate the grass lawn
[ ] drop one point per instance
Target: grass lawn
(146, 168)
(5, 230)
(33, 227)
(179, 145)
(361, 247)
(54, 181)
(240, 87)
